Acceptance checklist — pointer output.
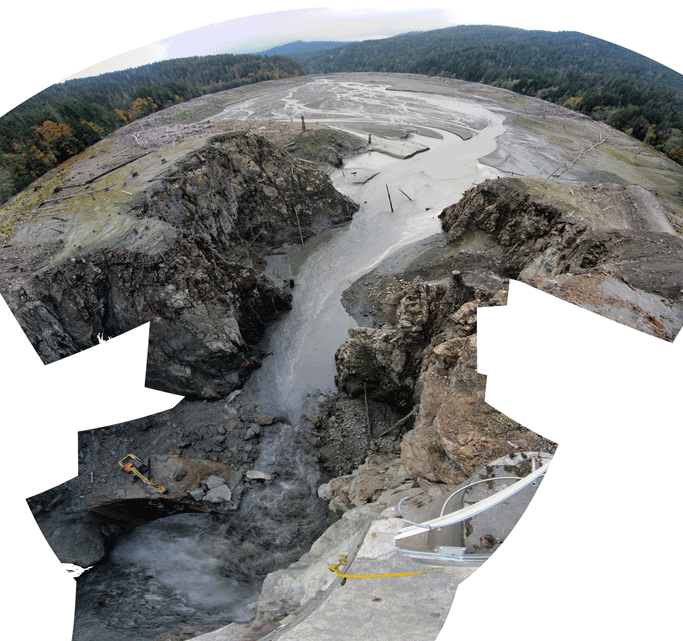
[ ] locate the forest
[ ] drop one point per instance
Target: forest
(604, 81)
(65, 118)
(607, 82)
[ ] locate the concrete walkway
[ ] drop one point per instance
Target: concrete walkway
(358, 609)
(397, 608)
(401, 607)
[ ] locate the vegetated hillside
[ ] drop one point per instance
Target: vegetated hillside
(294, 49)
(628, 91)
(65, 118)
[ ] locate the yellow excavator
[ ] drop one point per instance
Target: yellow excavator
(135, 466)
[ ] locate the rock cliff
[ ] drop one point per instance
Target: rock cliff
(177, 224)
(609, 249)
(177, 235)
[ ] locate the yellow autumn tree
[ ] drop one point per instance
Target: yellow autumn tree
(46, 156)
(59, 137)
(142, 107)
(54, 132)
(651, 135)
(123, 115)
(673, 145)
(32, 159)
(572, 102)
(98, 130)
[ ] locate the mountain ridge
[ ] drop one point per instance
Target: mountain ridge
(301, 46)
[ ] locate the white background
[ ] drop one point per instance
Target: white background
(45, 42)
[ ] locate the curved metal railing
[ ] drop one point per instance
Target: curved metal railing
(474, 509)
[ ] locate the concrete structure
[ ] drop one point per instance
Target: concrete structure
(414, 605)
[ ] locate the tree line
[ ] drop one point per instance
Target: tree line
(607, 82)
(604, 81)
(65, 118)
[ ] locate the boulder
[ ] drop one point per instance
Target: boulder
(197, 493)
(365, 484)
(79, 543)
(257, 475)
(214, 481)
(219, 494)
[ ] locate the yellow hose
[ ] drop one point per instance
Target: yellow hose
(343, 561)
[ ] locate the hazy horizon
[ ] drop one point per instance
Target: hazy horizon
(253, 34)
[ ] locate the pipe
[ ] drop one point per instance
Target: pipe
(467, 487)
(398, 509)
(477, 508)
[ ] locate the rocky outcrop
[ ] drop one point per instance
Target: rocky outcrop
(366, 483)
(185, 251)
(456, 432)
(609, 249)
(211, 458)
(382, 360)
(177, 230)
(180, 236)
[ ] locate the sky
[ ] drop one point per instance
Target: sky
(44, 43)
(252, 34)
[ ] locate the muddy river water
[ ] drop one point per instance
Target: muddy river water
(427, 151)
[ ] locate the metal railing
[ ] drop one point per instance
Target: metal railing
(474, 509)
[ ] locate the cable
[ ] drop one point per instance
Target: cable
(398, 509)
(343, 561)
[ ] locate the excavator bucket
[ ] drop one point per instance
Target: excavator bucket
(135, 466)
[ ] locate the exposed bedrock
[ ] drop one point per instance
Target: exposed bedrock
(185, 253)
(226, 459)
(381, 360)
(605, 248)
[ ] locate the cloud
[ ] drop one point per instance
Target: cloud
(252, 34)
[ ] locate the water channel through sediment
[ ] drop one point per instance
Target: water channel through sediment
(417, 188)
(177, 560)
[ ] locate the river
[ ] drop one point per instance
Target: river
(444, 165)
(167, 575)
